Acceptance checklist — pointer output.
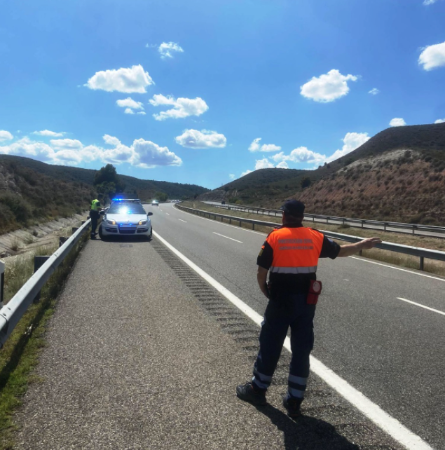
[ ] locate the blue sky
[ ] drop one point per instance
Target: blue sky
(203, 91)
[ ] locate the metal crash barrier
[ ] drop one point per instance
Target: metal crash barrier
(12, 312)
(421, 253)
(335, 220)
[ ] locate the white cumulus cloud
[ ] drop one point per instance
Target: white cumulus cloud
(130, 105)
(182, 107)
(440, 121)
(5, 135)
(232, 176)
(148, 155)
(167, 48)
(351, 142)
(397, 122)
(127, 80)
(66, 144)
(246, 172)
(429, 2)
(327, 87)
(256, 147)
(141, 153)
(201, 139)
(263, 164)
(283, 165)
(49, 133)
(300, 155)
(374, 91)
(433, 56)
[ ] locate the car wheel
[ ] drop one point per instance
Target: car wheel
(149, 237)
(101, 235)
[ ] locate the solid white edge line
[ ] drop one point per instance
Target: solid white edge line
(422, 306)
(227, 237)
(372, 411)
(396, 268)
(353, 257)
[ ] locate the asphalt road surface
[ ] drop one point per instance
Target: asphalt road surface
(389, 349)
(263, 216)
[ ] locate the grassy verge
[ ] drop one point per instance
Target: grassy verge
(21, 351)
(412, 262)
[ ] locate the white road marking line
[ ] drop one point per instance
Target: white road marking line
(398, 268)
(227, 237)
(167, 214)
(224, 224)
(422, 306)
(182, 220)
(376, 414)
(354, 257)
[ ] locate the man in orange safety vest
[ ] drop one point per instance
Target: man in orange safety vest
(290, 255)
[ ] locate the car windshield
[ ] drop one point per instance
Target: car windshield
(126, 208)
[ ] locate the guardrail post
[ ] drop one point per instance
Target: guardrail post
(2, 282)
(62, 240)
(363, 223)
(74, 229)
(253, 225)
(422, 260)
(414, 227)
(384, 226)
(38, 263)
(240, 223)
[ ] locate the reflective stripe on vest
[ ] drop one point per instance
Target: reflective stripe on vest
(312, 269)
(295, 250)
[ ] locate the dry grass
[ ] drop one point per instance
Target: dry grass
(20, 353)
(412, 262)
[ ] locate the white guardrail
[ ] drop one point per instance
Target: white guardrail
(12, 312)
(421, 253)
(357, 223)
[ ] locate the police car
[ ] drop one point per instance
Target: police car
(124, 218)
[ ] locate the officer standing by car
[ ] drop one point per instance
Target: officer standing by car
(94, 215)
(290, 255)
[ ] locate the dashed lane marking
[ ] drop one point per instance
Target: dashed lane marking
(223, 224)
(421, 306)
(353, 257)
(372, 411)
(183, 220)
(227, 237)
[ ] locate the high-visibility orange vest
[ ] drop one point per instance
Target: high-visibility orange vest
(295, 250)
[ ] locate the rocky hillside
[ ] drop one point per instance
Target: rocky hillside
(28, 197)
(32, 191)
(399, 174)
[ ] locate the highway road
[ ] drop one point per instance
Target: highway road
(379, 327)
(353, 224)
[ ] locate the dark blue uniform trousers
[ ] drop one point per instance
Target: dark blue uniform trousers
(281, 313)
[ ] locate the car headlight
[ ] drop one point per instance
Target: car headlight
(142, 222)
(111, 222)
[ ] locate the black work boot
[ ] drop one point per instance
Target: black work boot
(292, 404)
(249, 393)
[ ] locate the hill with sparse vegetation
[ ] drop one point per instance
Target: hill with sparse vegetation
(32, 191)
(399, 174)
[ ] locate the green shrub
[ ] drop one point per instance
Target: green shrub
(19, 207)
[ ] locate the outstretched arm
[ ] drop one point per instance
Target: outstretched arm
(351, 249)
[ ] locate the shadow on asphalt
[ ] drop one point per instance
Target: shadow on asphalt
(306, 433)
(123, 239)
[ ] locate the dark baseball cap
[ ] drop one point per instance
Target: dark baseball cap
(293, 208)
